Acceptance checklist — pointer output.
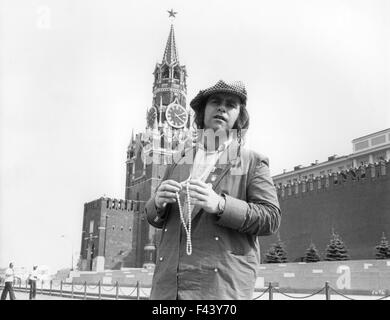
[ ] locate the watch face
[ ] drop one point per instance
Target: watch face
(152, 114)
(176, 115)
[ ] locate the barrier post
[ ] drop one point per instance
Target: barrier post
(26, 284)
(72, 290)
(51, 286)
(138, 290)
(100, 290)
(85, 290)
(61, 288)
(271, 297)
(327, 295)
(117, 290)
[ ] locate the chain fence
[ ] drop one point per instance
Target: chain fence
(75, 291)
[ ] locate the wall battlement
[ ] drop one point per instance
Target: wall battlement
(370, 173)
(114, 204)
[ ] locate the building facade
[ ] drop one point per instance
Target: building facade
(371, 148)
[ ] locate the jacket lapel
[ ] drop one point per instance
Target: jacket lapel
(222, 167)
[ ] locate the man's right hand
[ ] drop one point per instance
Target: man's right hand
(166, 193)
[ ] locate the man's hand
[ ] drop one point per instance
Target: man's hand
(203, 195)
(166, 193)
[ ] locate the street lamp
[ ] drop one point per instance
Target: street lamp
(71, 243)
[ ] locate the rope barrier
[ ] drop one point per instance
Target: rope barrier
(305, 297)
(341, 294)
(78, 288)
(108, 290)
(92, 287)
(385, 297)
(264, 292)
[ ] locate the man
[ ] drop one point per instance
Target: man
(212, 211)
(8, 285)
(32, 279)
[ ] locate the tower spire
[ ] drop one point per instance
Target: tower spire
(170, 53)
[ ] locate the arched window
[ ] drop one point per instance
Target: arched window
(165, 72)
(176, 73)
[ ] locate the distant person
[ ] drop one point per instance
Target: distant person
(32, 280)
(8, 283)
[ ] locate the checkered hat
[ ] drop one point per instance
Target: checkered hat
(235, 87)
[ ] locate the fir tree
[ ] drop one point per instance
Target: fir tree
(383, 249)
(312, 254)
(336, 250)
(277, 253)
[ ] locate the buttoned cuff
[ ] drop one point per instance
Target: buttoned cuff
(234, 214)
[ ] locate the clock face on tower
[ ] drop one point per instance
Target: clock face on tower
(152, 114)
(176, 115)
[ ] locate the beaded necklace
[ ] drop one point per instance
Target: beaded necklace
(187, 225)
(187, 228)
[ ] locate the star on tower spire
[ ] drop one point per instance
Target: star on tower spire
(171, 13)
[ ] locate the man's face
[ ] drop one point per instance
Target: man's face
(221, 111)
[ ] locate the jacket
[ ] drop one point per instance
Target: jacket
(225, 249)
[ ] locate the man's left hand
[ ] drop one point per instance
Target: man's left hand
(204, 196)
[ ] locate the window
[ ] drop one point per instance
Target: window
(165, 72)
(378, 140)
(91, 223)
(176, 73)
(361, 145)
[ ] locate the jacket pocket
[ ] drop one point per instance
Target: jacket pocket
(248, 257)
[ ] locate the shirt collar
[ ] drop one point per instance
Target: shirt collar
(221, 148)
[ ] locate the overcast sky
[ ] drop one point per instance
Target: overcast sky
(76, 78)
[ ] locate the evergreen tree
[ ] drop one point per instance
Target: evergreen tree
(277, 253)
(312, 254)
(336, 250)
(383, 249)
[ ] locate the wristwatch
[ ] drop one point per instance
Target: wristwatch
(221, 205)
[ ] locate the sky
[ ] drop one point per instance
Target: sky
(76, 79)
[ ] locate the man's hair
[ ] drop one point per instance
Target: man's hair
(241, 123)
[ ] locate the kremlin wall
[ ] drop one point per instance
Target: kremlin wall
(355, 204)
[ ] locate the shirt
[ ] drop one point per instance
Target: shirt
(9, 275)
(34, 275)
(204, 162)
